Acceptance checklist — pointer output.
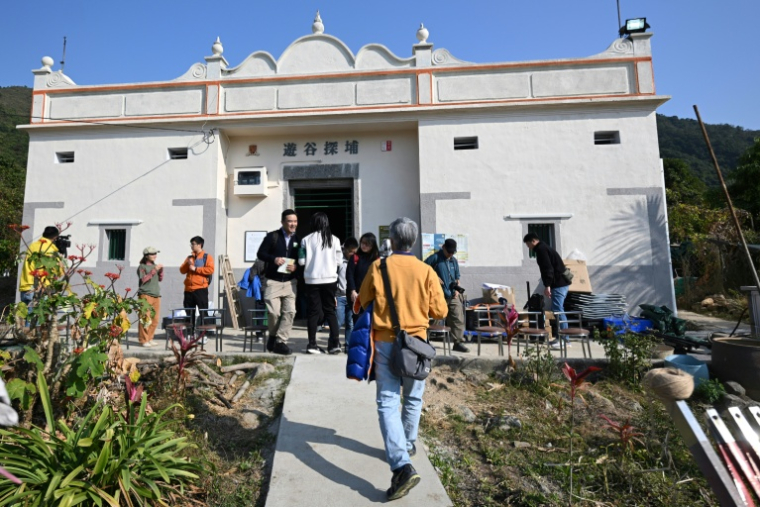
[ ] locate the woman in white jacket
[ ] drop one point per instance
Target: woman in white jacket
(321, 261)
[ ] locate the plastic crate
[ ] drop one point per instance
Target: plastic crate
(625, 323)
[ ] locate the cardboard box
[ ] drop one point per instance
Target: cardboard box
(581, 281)
(493, 295)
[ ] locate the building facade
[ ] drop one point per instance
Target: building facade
(567, 148)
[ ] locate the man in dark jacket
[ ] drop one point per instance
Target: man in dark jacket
(280, 251)
(446, 266)
(552, 267)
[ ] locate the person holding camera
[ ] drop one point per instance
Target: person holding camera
(446, 267)
(46, 246)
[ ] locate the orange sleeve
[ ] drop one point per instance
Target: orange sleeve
(208, 269)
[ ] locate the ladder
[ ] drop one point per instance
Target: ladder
(231, 290)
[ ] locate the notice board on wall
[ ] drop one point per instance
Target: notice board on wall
(253, 240)
(431, 243)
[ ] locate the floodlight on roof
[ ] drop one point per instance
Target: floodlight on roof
(634, 25)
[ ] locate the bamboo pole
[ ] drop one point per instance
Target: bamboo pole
(728, 199)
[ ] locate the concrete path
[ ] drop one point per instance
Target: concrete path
(329, 450)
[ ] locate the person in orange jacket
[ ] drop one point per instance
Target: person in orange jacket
(198, 269)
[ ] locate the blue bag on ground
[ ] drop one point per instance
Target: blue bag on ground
(691, 365)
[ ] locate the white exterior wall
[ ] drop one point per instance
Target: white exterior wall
(542, 164)
(388, 184)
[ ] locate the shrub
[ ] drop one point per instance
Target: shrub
(629, 354)
(100, 460)
(709, 391)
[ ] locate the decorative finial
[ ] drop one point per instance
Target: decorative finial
(217, 47)
(317, 26)
(422, 34)
(47, 62)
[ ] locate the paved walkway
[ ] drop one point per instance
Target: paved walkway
(329, 450)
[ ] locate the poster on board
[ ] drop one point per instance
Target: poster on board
(253, 240)
(431, 243)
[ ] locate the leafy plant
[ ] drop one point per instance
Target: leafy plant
(104, 459)
(709, 391)
(186, 354)
(576, 381)
(627, 434)
(540, 366)
(628, 354)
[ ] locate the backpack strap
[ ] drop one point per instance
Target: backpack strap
(389, 295)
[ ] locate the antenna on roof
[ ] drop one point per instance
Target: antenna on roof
(620, 23)
(63, 59)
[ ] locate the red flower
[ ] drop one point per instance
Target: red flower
(113, 276)
(78, 350)
(43, 241)
(115, 331)
(87, 273)
(102, 286)
(39, 273)
(73, 257)
(577, 379)
(80, 271)
(134, 393)
(24, 227)
(128, 289)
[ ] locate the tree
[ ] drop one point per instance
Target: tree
(12, 178)
(745, 181)
(681, 184)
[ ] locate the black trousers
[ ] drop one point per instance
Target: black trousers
(195, 298)
(320, 300)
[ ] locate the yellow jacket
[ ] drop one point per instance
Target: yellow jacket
(44, 246)
(416, 292)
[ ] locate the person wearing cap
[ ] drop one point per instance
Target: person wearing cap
(149, 274)
(45, 246)
(446, 267)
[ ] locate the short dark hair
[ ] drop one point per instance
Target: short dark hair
(286, 213)
(351, 242)
(197, 240)
(450, 245)
(51, 232)
(530, 237)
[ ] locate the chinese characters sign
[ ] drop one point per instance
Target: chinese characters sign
(310, 149)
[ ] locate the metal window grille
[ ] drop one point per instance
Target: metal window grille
(466, 143)
(607, 137)
(65, 157)
(337, 203)
(545, 233)
(117, 244)
(177, 153)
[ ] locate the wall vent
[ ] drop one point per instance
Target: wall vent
(466, 143)
(177, 153)
(611, 137)
(65, 157)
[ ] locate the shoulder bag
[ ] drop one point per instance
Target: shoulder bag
(411, 357)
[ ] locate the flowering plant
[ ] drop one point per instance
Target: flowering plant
(66, 298)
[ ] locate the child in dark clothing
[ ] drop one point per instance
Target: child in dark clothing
(358, 265)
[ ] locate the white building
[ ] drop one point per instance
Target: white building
(568, 147)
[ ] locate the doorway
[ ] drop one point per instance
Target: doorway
(336, 202)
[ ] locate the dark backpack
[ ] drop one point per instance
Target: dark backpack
(209, 277)
(536, 304)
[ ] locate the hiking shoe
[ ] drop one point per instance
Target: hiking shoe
(281, 348)
(313, 349)
(334, 350)
(270, 343)
(412, 451)
(404, 479)
(460, 347)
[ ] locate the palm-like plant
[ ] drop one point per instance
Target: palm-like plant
(104, 459)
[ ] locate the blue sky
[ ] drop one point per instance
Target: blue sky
(705, 51)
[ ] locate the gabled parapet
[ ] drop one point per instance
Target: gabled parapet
(318, 73)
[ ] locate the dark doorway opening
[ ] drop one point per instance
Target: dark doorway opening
(336, 203)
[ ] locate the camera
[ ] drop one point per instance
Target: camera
(62, 243)
(453, 286)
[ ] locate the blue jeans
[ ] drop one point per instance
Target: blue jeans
(558, 304)
(344, 316)
(26, 297)
(399, 429)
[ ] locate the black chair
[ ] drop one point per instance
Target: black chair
(181, 322)
(211, 320)
(256, 327)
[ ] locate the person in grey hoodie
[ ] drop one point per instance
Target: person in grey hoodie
(321, 257)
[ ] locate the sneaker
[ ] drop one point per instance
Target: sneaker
(554, 344)
(149, 344)
(334, 350)
(313, 349)
(412, 451)
(281, 348)
(568, 344)
(460, 347)
(404, 479)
